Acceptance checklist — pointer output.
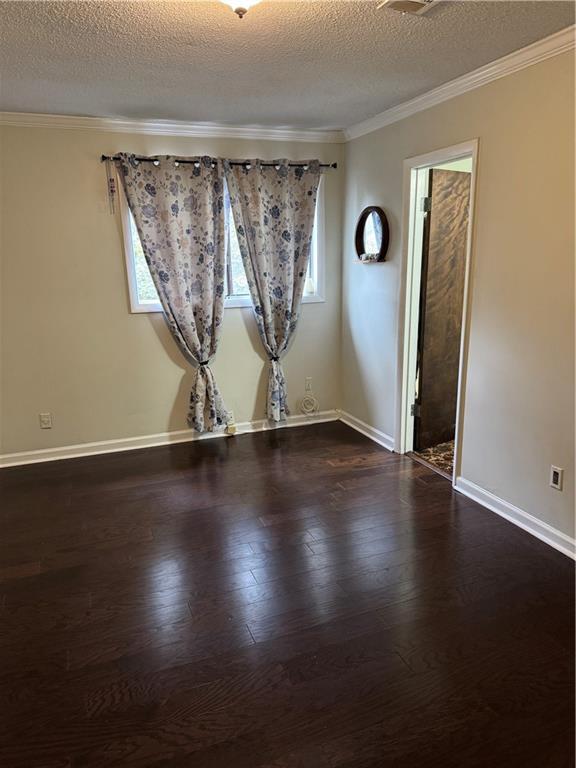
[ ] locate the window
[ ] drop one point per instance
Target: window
(143, 296)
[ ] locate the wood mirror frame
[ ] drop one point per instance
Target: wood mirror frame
(359, 237)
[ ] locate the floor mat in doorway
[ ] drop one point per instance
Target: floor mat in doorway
(441, 456)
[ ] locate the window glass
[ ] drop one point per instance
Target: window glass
(144, 283)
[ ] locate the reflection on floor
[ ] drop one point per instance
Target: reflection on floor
(440, 456)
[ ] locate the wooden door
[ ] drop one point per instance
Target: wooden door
(441, 302)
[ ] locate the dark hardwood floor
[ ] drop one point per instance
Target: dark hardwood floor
(291, 599)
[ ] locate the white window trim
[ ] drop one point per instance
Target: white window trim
(230, 302)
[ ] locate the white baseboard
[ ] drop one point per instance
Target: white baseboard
(150, 441)
(379, 437)
(297, 420)
(524, 520)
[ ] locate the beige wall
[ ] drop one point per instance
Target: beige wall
(519, 409)
(69, 343)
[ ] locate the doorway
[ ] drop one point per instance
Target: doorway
(440, 197)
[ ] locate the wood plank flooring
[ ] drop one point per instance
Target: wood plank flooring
(292, 599)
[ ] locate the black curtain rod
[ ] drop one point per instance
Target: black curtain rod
(232, 162)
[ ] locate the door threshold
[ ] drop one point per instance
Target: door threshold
(414, 456)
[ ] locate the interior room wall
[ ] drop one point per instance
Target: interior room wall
(519, 387)
(70, 345)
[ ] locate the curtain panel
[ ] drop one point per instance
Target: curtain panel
(273, 208)
(179, 214)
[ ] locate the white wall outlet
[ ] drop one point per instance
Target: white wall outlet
(308, 384)
(45, 420)
(231, 419)
(556, 477)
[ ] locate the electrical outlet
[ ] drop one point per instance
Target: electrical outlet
(231, 419)
(556, 477)
(308, 384)
(45, 420)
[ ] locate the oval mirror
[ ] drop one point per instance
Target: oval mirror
(372, 234)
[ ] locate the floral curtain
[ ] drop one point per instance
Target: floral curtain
(273, 207)
(179, 213)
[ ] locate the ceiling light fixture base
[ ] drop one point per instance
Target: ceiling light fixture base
(240, 10)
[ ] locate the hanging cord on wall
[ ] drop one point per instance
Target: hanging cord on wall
(111, 184)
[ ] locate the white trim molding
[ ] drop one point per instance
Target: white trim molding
(151, 441)
(553, 45)
(409, 289)
(524, 520)
(171, 128)
(386, 441)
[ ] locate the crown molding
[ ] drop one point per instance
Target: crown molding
(169, 128)
(553, 45)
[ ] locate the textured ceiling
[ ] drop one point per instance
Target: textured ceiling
(302, 64)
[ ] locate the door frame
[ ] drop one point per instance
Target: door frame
(409, 293)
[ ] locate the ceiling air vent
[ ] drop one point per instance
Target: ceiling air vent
(413, 7)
